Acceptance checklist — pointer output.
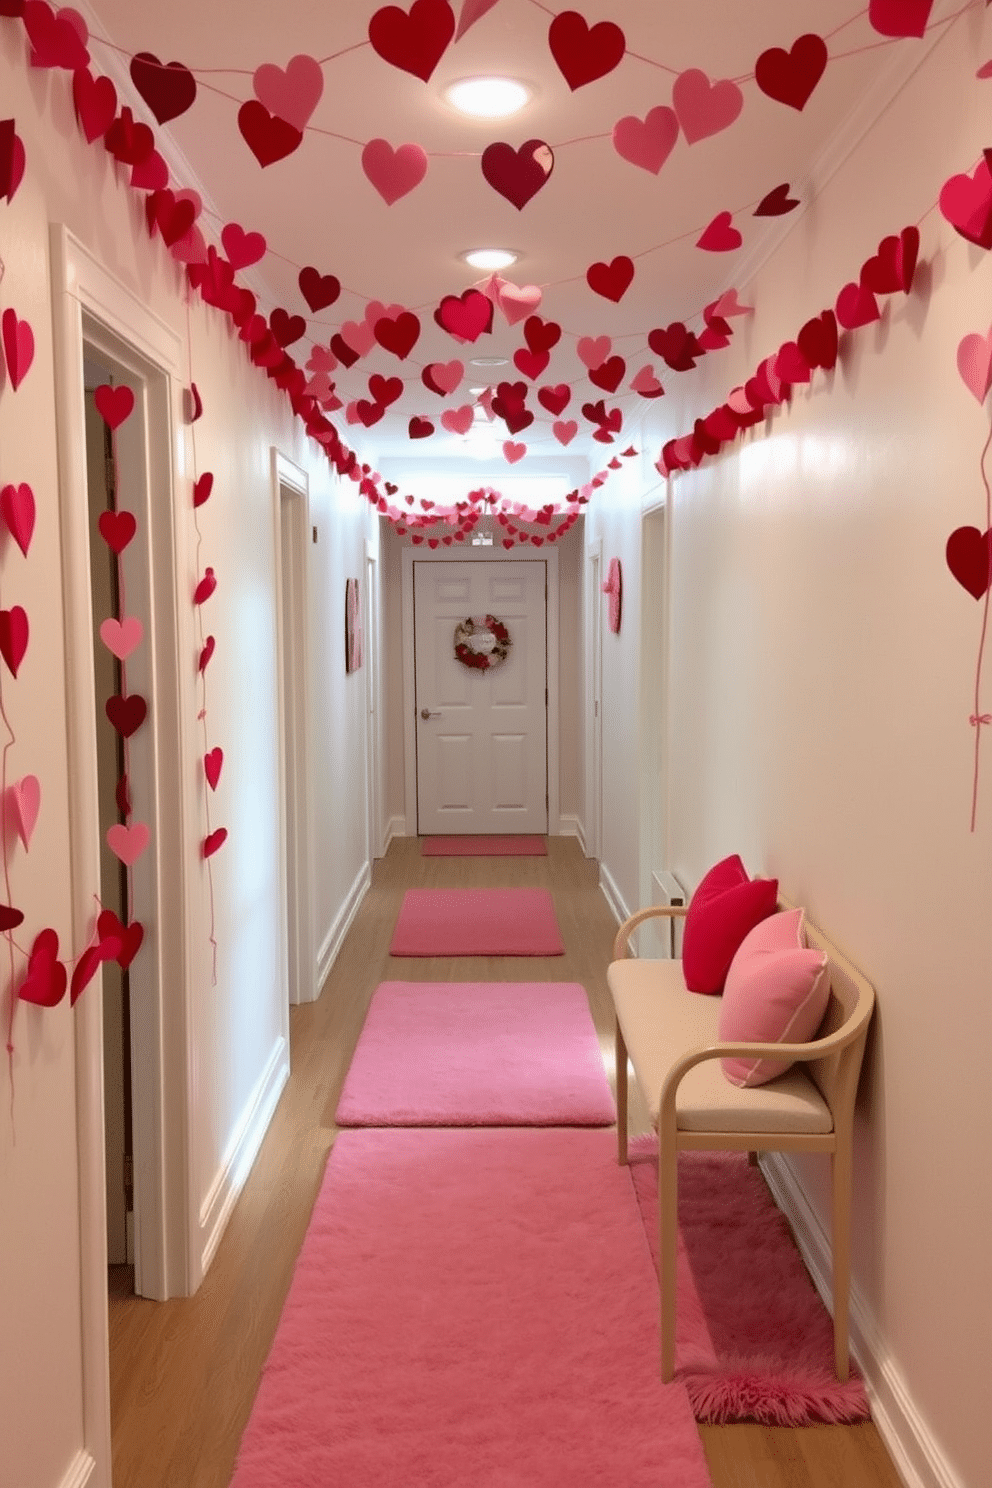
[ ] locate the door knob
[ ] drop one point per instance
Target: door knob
(426, 713)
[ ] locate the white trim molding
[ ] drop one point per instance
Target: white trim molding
(80, 1473)
(332, 941)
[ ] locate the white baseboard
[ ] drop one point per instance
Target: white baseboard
(80, 1471)
(223, 1193)
(331, 943)
(918, 1458)
(395, 827)
(571, 826)
(614, 898)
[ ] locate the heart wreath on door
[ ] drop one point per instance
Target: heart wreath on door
(482, 642)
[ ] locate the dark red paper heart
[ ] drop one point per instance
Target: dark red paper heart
(10, 918)
(899, 17)
(776, 203)
(14, 631)
(541, 335)
(12, 159)
(969, 557)
(114, 404)
(676, 345)
(168, 88)
(611, 280)
(790, 76)
(205, 587)
(413, 42)
(518, 174)
(398, 335)
(420, 428)
(127, 714)
(319, 290)
(555, 399)
(202, 488)
(213, 841)
(117, 529)
(268, 138)
(345, 353)
(369, 413)
(385, 390)
(892, 267)
(818, 340)
(584, 53)
(47, 978)
(286, 328)
(128, 140)
(466, 316)
(129, 937)
(609, 374)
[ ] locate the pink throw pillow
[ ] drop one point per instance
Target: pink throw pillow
(776, 993)
(726, 905)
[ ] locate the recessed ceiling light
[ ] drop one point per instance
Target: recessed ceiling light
(489, 361)
(488, 97)
(490, 258)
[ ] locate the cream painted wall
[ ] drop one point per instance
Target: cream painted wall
(237, 1024)
(822, 676)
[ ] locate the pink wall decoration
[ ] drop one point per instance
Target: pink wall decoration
(613, 589)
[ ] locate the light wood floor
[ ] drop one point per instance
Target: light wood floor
(184, 1373)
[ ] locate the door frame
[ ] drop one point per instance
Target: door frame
(373, 703)
(547, 556)
(594, 699)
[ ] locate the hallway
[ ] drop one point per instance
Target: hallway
(184, 1372)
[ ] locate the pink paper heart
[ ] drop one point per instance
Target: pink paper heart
(242, 248)
(359, 335)
(121, 637)
(18, 346)
(647, 142)
(593, 350)
(446, 376)
(739, 401)
(564, 430)
(472, 11)
(975, 364)
(190, 248)
(728, 305)
(23, 804)
(393, 173)
(704, 108)
(128, 843)
(645, 382)
(513, 452)
(966, 202)
(516, 302)
(291, 93)
(17, 511)
(322, 359)
(458, 420)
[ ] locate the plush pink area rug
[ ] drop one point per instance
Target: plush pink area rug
(471, 1307)
(477, 922)
(477, 1054)
(484, 847)
(753, 1340)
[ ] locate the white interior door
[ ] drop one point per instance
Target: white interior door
(482, 754)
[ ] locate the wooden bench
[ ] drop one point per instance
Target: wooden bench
(670, 1036)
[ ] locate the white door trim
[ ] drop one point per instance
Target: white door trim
(548, 555)
(593, 609)
(90, 305)
(373, 703)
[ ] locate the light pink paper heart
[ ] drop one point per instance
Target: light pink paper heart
(472, 11)
(351, 413)
(190, 248)
(18, 346)
(704, 108)
(359, 335)
(375, 311)
(593, 350)
(128, 843)
(564, 430)
(322, 359)
(739, 401)
(513, 452)
(644, 381)
(647, 142)
(975, 364)
(291, 93)
(393, 173)
(24, 803)
(447, 375)
(772, 376)
(121, 637)
(517, 301)
(458, 420)
(728, 305)
(17, 511)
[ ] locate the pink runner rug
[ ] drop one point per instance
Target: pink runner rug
(471, 1307)
(477, 922)
(753, 1340)
(484, 847)
(477, 1054)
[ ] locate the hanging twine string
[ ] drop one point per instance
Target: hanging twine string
(979, 720)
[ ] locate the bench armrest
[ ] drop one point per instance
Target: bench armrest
(653, 911)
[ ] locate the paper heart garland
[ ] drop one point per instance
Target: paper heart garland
(398, 335)
(18, 346)
(704, 108)
(413, 42)
(393, 173)
(128, 140)
(127, 714)
(242, 248)
(128, 937)
(466, 316)
(12, 159)
(584, 53)
(23, 805)
(268, 137)
(213, 841)
(122, 637)
(128, 843)
(14, 632)
(47, 978)
(611, 280)
(966, 202)
(58, 38)
(319, 291)
(292, 93)
(458, 420)
(647, 142)
(969, 557)
(168, 88)
(899, 17)
(790, 77)
(856, 306)
(213, 762)
(518, 174)
(555, 399)
(720, 236)
(113, 404)
(17, 511)
(975, 364)
(893, 266)
(817, 341)
(776, 202)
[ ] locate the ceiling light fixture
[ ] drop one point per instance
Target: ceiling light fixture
(488, 97)
(490, 258)
(489, 361)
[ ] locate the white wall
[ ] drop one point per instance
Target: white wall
(237, 1025)
(823, 663)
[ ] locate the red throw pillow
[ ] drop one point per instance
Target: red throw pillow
(725, 907)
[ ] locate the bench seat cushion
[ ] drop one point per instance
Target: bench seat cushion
(661, 1021)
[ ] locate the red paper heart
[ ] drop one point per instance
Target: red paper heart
(213, 762)
(364, 412)
(555, 399)
(205, 654)
(345, 353)
(518, 174)
(541, 335)
(420, 428)
(127, 714)
(776, 203)
(286, 328)
(647, 142)
(268, 138)
(790, 77)
(791, 365)
(398, 335)
(12, 159)
(966, 202)
(168, 88)
(213, 841)
(10, 918)
(150, 174)
(117, 529)
(720, 236)
(531, 363)
(47, 978)
(394, 173)
(704, 108)
(128, 140)
(205, 587)
(818, 340)
(969, 557)
(113, 404)
(14, 632)
(416, 42)
(893, 266)
(611, 280)
(58, 39)
(17, 509)
(173, 217)
(319, 290)
(584, 53)
(466, 316)
(899, 17)
(856, 306)
(385, 390)
(18, 346)
(676, 345)
(84, 971)
(242, 248)
(127, 937)
(609, 374)
(202, 488)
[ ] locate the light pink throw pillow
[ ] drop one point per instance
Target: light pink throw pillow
(776, 991)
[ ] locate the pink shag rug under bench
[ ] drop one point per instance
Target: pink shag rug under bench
(753, 1340)
(477, 1054)
(477, 922)
(471, 1307)
(484, 847)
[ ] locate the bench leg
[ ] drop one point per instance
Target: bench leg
(621, 1049)
(840, 1162)
(668, 1217)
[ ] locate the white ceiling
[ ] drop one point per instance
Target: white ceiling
(316, 207)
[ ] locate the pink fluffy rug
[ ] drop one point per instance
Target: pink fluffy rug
(477, 922)
(484, 847)
(477, 1054)
(753, 1340)
(471, 1307)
